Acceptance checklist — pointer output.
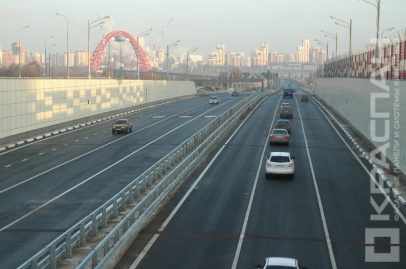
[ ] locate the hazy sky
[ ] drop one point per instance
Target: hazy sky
(241, 25)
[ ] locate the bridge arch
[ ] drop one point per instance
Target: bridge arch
(97, 55)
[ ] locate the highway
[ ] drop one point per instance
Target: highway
(229, 216)
(48, 186)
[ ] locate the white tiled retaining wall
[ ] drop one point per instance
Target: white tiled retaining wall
(354, 99)
(29, 104)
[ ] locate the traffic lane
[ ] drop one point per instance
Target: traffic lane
(209, 222)
(285, 218)
(52, 155)
(345, 188)
(137, 150)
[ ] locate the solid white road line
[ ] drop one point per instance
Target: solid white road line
(316, 188)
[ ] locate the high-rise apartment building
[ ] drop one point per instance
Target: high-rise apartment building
(80, 58)
(303, 51)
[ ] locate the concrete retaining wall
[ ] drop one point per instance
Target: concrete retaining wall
(31, 104)
(377, 108)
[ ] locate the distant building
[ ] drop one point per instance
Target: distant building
(303, 51)
(9, 58)
(15, 47)
(81, 58)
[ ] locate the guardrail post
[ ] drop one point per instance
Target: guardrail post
(94, 225)
(115, 209)
(68, 246)
(34, 264)
(52, 258)
(94, 260)
(123, 202)
(130, 195)
(82, 236)
(137, 190)
(104, 217)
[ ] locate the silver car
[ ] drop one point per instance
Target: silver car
(213, 100)
(280, 163)
(279, 136)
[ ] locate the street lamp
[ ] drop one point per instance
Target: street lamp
(332, 36)
(19, 47)
(385, 30)
(46, 70)
(89, 27)
(187, 62)
(167, 56)
(324, 44)
(138, 54)
(49, 59)
(349, 27)
(67, 42)
(377, 5)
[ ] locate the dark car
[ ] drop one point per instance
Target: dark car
(122, 126)
(235, 93)
(287, 93)
(304, 98)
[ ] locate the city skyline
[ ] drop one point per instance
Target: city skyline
(241, 24)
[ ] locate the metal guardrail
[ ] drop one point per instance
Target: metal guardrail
(156, 184)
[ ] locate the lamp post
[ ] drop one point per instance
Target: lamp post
(49, 59)
(19, 48)
(385, 30)
(67, 42)
(377, 5)
(145, 33)
(332, 36)
(349, 27)
(46, 70)
(89, 27)
(187, 62)
(167, 56)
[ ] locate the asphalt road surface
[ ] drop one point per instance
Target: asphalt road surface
(48, 186)
(228, 215)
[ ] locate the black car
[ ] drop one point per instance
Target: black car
(288, 93)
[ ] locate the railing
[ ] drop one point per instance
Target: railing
(145, 195)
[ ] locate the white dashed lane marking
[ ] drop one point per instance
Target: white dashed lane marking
(24, 160)
(41, 153)
(8, 165)
(54, 149)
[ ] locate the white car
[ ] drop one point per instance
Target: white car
(280, 163)
(213, 100)
(280, 262)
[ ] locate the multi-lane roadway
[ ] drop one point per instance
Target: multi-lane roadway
(227, 215)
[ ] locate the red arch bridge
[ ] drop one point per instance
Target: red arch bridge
(97, 55)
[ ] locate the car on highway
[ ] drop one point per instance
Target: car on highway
(280, 163)
(304, 98)
(213, 100)
(284, 124)
(279, 136)
(122, 126)
(280, 263)
(288, 93)
(286, 111)
(234, 93)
